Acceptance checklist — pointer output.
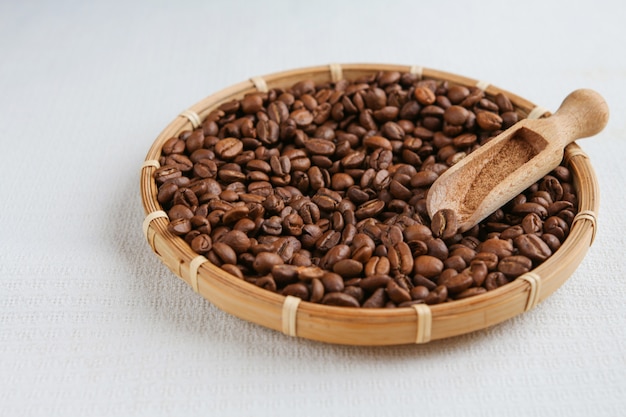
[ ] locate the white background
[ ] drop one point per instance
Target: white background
(92, 324)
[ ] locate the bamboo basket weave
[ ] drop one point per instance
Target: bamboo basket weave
(359, 326)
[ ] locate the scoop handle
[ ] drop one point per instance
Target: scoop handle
(582, 114)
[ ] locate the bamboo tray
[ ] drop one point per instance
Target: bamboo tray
(359, 326)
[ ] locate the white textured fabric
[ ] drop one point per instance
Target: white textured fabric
(92, 324)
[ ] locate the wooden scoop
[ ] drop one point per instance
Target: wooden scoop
(505, 166)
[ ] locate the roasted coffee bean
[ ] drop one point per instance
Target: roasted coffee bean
(437, 296)
(424, 95)
(396, 293)
(420, 280)
(444, 224)
(478, 270)
(354, 290)
(377, 299)
(228, 148)
(552, 241)
(328, 240)
(235, 214)
(495, 280)
(515, 265)
(233, 270)
(340, 299)
(456, 115)
(533, 247)
(401, 258)
(457, 282)
(225, 253)
(489, 121)
(423, 179)
(526, 208)
(297, 290)
(455, 262)
(201, 243)
(334, 255)
(308, 273)
(284, 274)
(320, 147)
(374, 142)
(470, 292)
(373, 282)
(267, 282)
(419, 292)
(501, 248)
(293, 188)
(265, 261)
(332, 282)
(377, 265)
(437, 248)
(180, 226)
(348, 268)
(237, 240)
(172, 146)
(369, 209)
(317, 291)
(428, 266)
(417, 232)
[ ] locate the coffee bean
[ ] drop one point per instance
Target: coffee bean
(320, 147)
(284, 274)
(328, 240)
(377, 299)
(348, 268)
(334, 255)
(489, 121)
(377, 265)
(374, 142)
(424, 95)
(237, 240)
(526, 208)
(235, 214)
(501, 248)
(495, 280)
(293, 188)
(340, 299)
(332, 282)
(375, 98)
(265, 261)
(225, 253)
(392, 130)
(457, 282)
(401, 258)
(267, 282)
(437, 296)
(428, 266)
(456, 115)
(423, 179)
(470, 292)
(444, 224)
(515, 265)
(233, 270)
(251, 103)
(179, 227)
(419, 292)
(370, 209)
(533, 247)
(297, 290)
(396, 293)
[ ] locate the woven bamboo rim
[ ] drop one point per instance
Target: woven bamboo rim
(357, 326)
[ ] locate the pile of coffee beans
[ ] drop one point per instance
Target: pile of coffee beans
(318, 191)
